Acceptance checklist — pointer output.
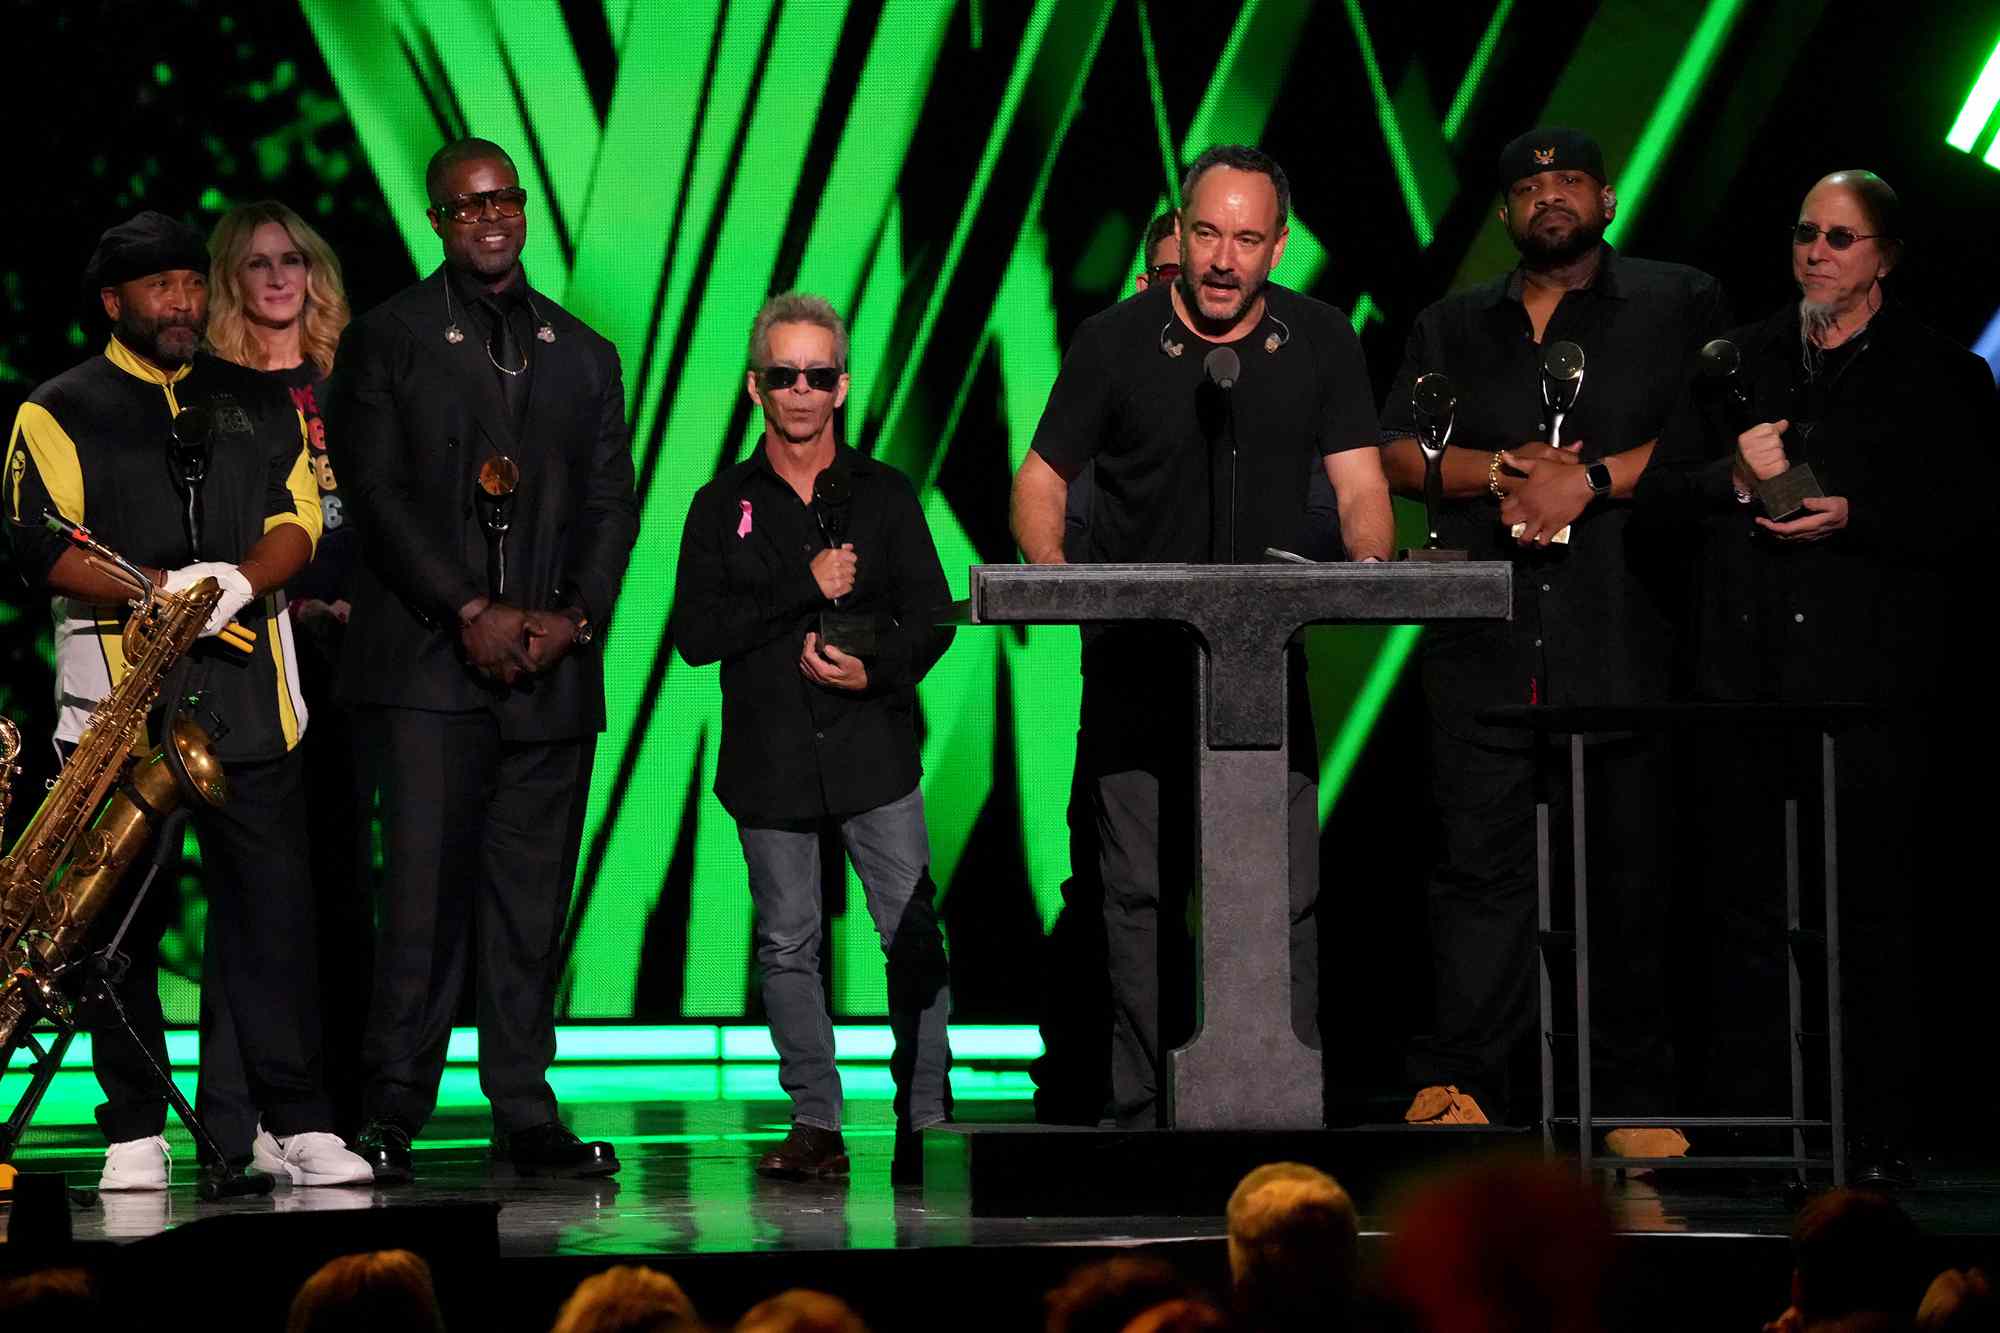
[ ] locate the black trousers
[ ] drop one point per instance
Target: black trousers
(478, 841)
(261, 950)
(1483, 922)
(1137, 751)
(1885, 838)
(339, 839)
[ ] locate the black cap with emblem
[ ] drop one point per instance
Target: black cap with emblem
(1550, 150)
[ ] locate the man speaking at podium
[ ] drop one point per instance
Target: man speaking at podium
(1201, 402)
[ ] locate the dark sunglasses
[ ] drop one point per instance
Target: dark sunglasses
(822, 379)
(508, 203)
(1163, 272)
(1839, 238)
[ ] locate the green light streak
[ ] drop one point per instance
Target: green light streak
(1364, 310)
(1392, 130)
(392, 119)
(1044, 673)
(982, 177)
(697, 1043)
(790, 95)
(1159, 96)
(1475, 71)
(1360, 721)
(1978, 108)
(1664, 125)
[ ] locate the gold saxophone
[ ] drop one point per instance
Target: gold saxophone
(100, 813)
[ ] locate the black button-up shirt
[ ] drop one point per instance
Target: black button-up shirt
(745, 595)
(1592, 622)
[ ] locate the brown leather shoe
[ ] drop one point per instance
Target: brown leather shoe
(1646, 1143)
(1446, 1105)
(808, 1153)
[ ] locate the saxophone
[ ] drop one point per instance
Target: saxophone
(101, 811)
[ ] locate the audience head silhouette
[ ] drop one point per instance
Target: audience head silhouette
(1292, 1236)
(1104, 1297)
(626, 1299)
(386, 1291)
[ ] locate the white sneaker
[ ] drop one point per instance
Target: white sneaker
(312, 1158)
(136, 1164)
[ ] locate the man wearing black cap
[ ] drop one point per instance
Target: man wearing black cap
(1592, 610)
(92, 446)
(479, 433)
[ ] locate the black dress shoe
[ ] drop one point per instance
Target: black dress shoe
(551, 1149)
(385, 1146)
(807, 1153)
(1878, 1164)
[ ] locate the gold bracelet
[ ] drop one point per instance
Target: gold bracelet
(1493, 476)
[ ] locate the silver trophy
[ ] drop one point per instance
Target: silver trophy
(1433, 410)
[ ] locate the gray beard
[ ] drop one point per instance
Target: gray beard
(1816, 320)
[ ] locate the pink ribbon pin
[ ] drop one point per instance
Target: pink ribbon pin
(743, 524)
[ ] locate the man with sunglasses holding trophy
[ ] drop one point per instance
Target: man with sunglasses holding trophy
(808, 572)
(483, 450)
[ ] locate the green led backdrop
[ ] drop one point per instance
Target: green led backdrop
(747, 148)
(967, 181)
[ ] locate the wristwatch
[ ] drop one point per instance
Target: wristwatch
(577, 617)
(1599, 477)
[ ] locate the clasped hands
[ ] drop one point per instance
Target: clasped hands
(504, 643)
(1760, 456)
(1551, 492)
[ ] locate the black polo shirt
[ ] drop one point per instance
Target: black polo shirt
(1592, 621)
(1133, 398)
(745, 596)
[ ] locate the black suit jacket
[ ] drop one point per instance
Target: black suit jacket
(411, 418)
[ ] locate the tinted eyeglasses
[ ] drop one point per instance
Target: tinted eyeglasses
(508, 203)
(1839, 238)
(1163, 272)
(822, 379)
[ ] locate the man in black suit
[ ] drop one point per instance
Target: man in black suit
(483, 451)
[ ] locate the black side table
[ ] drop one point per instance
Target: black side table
(1579, 722)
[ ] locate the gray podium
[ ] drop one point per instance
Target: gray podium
(1244, 1068)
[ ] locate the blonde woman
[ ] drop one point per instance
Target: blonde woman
(277, 305)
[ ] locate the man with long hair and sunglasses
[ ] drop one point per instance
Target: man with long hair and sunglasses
(478, 430)
(1858, 594)
(808, 571)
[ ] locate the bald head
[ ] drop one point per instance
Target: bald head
(1873, 195)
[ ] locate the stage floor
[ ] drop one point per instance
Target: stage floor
(689, 1138)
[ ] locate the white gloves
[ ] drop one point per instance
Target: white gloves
(235, 590)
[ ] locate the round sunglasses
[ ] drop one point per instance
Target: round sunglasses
(1838, 238)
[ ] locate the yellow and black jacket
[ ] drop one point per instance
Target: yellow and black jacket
(91, 445)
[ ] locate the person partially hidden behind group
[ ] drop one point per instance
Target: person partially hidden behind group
(277, 306)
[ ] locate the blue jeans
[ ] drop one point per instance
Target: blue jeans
(890, 849)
